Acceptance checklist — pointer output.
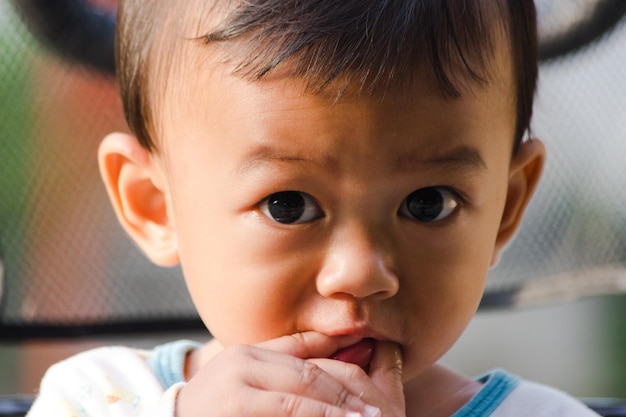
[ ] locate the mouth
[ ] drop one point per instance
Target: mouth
(360, 353)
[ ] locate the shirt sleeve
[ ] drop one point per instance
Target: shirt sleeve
(104, 382)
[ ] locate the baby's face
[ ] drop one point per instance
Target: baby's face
(365, 216)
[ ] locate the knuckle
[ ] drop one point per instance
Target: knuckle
(355, 373)
(236, 360)
(298, 338)
(342, 397)
(293, 405)
(240, 354)
(328, 412)
(289, 405)
(298, 344)
(309, 374)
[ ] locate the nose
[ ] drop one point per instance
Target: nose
(357, 265)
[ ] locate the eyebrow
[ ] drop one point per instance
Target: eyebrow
(462, 157)
(263, 154)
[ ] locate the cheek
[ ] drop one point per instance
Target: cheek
(247, 286)
(247, 280)
(442, 288)
(447, 288)
(442, 305)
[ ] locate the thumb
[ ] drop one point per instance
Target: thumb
(386, 372)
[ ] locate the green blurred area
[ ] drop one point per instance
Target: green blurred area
(616, 342)
(16, 121)
(15, 130)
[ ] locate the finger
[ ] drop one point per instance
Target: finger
(279, 372)
(359, 384)
(277, 404)
(382, 387)
(386, 372)
(308, 344)
(229, 380)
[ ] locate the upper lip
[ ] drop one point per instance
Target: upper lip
(361, 332)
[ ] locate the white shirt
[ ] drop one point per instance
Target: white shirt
(123, 382)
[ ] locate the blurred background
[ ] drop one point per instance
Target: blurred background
(72, 280)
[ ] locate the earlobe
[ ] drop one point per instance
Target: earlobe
(524, 174)
(136, 187)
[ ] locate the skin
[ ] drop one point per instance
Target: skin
(281, 298)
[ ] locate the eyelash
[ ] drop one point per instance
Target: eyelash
(290, 207)
(311, 210)
(443, 205)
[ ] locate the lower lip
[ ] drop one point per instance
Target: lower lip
(360, 354)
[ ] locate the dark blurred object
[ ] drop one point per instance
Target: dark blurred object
(607, 407)
(14, 406)
(76, 29)
(563, 30)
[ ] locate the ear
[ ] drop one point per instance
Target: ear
(524, 173)
(137, 188)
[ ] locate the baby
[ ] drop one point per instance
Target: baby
(335, 178)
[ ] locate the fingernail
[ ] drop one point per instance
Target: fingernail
(353, 414)
(370, 411)
(399, 363)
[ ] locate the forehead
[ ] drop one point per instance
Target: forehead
(268, 116)
(204, 77)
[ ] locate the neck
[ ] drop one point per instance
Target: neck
(438, 392)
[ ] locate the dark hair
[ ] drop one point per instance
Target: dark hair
(376, 43)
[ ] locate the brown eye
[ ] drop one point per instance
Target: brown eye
(429, 204)
(291, 207)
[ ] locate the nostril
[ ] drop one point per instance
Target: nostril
(347, 276)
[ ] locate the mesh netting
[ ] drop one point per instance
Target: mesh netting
(573, 238)
(67, 261)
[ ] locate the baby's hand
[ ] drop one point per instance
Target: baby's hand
(273, 378)
(381, 388)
